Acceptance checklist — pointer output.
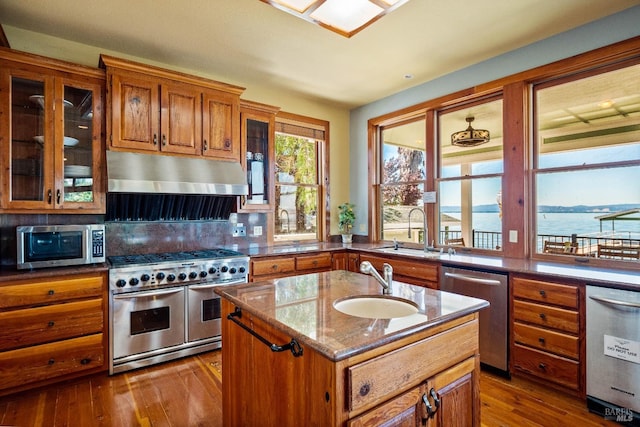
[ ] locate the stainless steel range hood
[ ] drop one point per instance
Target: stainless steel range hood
(153, 187)
(160, 174)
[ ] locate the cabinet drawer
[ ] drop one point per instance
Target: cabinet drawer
(50, 291)
(552, 368)
(32, 364)
(313, 262)
(544, 339)
(426, 271)
(548, 293)
(266, 266)
(376, 380)
(543, 315)
(21, 328)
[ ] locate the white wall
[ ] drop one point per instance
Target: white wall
(606, 31)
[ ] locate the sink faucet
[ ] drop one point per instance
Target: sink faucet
(424, 226)
(367, 268)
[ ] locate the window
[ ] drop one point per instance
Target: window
(300, 168)
(587, 163)
(403, 171)
(470, 178)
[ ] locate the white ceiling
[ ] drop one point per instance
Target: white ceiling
(248, 42)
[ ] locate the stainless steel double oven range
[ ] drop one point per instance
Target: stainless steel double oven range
(163, 306)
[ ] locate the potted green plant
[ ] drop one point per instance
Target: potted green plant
(346, 219)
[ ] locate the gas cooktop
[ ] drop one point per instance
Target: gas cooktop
(146, 259)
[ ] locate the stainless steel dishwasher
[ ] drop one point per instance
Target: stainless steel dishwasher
(492, 287)
(613, 354)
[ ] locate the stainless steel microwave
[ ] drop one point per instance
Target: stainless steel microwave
(41, 246)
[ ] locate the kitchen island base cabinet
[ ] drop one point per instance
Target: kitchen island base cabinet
(429, 377)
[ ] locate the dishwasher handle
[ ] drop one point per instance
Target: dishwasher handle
(472, 279)
(614, 301)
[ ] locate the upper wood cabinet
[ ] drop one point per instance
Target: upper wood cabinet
(51, 135)
(257, 132)
(157, 110)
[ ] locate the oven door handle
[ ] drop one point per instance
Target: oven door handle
(131, 295)
(215, 285)
(615, 301)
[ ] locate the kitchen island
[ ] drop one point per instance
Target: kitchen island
(291, 358)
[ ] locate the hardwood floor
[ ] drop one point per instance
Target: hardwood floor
(187, 393)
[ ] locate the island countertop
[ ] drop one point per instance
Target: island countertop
(302, 307)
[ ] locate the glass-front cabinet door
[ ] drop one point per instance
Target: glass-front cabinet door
(52, 128)
(257, 134)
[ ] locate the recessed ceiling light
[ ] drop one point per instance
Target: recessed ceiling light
(345, 17)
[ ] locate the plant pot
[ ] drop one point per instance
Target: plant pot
(346, 238)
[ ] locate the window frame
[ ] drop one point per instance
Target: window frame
(517, 123)
(322, 175)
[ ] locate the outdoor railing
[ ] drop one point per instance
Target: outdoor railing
(587, 244)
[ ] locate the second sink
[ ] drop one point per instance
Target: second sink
(375, 307)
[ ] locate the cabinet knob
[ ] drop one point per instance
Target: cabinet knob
(542, 366)
(365, 389)
(51, 292)
(51, 361)
(164, 139)
(58, 195)
(274, 266)
(155, 139)
(206, 147)
(543, 293)
(543, 316)
(541, 340)
(49, 196)
(85, 361)
(227, 143)
(51, 323)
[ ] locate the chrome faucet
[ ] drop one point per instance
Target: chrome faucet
(367, 268)
(424, 226)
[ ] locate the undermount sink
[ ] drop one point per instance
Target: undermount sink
(376, 307)
(410, 251)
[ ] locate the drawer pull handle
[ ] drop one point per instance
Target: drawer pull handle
(543, 316)
(164, 139)
(51, 292)
(51, 323)
(543, 293)
(155, 139)
(206, 147)
(436, 401)
(542, 366)
(427, 405)
(49, 196)
(58, 196)
(51, 362)
(541, 340)
(85, 361)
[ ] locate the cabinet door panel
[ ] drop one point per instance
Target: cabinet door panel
(134, 113)
(221, 124)
(405, 410)
(181, 120)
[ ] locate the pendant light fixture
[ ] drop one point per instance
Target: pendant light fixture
(470, 137)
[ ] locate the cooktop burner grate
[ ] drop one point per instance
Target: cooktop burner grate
(144, 259)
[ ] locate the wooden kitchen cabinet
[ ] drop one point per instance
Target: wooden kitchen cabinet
(53, 329)
(155, 110)
(51, 135)
(548, 332)
(257, 132)
(349, 261)
(409, 271)
(273, 267)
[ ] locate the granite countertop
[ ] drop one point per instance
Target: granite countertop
(616, 278)
(302, 307)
